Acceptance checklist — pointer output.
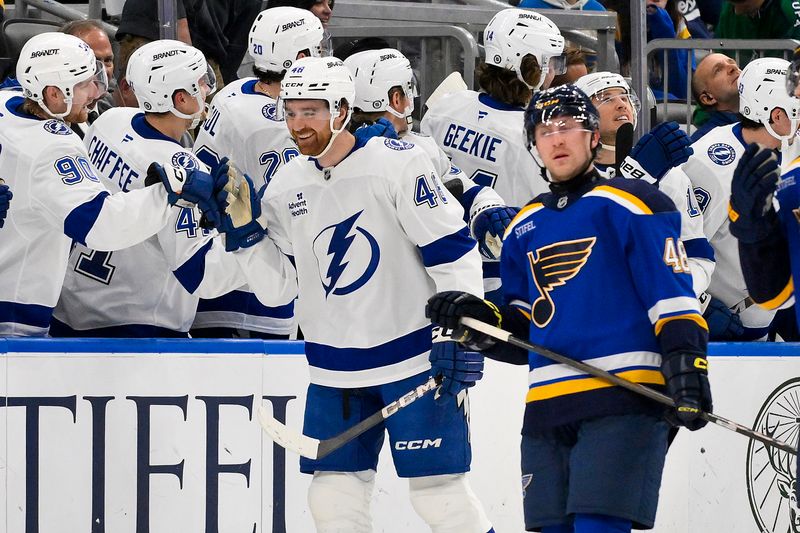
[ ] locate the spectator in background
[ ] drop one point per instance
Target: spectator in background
(322, 9)
(664, 21)
(693, 15)
(576, 67)
(715, 87)
(758, 19)
(584, 5)
(92, 33)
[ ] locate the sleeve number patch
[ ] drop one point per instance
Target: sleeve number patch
(675, 256)
(187, 223)
(272, 160)
(74, 170)
(96, 265)
(428, 191)
(482, 177)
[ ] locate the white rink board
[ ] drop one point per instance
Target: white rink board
(705, 487)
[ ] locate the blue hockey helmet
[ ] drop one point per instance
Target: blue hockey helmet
(562, 101)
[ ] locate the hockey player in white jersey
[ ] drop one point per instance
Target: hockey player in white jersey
(483, 132)
(356, 221)
(771, 119)
(151, 289)
(385, 89)
(244, 125)
(58, 197)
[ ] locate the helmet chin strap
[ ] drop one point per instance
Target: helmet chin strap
(536, 87)
(59, 116)
(335, 133)
(197, 117)
(793, 124)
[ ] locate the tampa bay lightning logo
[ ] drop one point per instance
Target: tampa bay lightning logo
(57, 127)
(185, 160)
(721, 153)
(347, 256)
(270, 112)
(397, 144)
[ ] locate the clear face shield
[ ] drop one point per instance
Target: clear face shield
(615, 97)
(410, 91)
(205, 86)
(552, 66)
(558, 126)
(793, 78)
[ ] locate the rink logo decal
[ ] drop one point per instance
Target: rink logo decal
(56, 127)
(184, 160)
(721, 153)
(552, 266)
(771, 481)
(347, 256)
(397, 144)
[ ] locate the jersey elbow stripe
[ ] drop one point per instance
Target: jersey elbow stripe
(563, 388)
(673, 306)
(448, 249)
(781, 298)
(696, 318)
(190, 273)
(523, 213)
(623, 198)
(81, 220)
(699, 248)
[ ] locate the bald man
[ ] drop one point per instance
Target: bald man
(715, 89)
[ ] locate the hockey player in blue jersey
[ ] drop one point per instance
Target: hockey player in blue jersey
(355, 221)
(58, 197)
(244, 126)
(590, 253)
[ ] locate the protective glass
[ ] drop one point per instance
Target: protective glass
(209, 80)
(325, 48)
(557, 64)
(100, 77)
(793, 77)
(608, 98)
(302, 113)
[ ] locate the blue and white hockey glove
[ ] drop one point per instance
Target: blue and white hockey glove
(686, 375)
(446, 308)
(241, 206)
(723, 324)
(380, 128)
(752, 215)
(460, 369)
(664, 147)
(187, 188)
(5, 201)
(488, 227)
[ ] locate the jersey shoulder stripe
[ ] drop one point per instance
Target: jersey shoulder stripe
(637, 196)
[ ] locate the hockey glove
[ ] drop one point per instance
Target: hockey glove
(723, 324)
(446, 309)
(752, 215)
(687, 383)
(5, 201)
(666, 146)
(186, 188)
(488, 227)
(459, 368)
(241, 205)
(380, 128)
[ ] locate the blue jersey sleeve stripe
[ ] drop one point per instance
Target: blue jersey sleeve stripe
(699, 248)
(190, 273)
(355, 359)
(28, 314)
(80, 221)
(448, 249)
(245, 302)
(468, 198)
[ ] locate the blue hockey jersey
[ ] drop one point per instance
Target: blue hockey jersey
(599, 273)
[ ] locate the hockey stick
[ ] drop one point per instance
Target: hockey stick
(505, 336)
(451, 84)
(317, 449)
(623, 146)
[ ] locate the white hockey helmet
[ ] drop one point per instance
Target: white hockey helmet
(596, 83)
(514, 33)
(375, 72)
(320, 78)
(55, 59)
(280, 33)
(159, 68)
(762, 88)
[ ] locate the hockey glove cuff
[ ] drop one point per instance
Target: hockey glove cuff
(488, 226)
(446, 309)
(5, 202)
(186, 188)
(686, 375)
(723, 324)
(380, 128)
(238, 200)
(752, 215)
(459, 369)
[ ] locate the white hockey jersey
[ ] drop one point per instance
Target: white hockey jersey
(57, 199)
(145, 286)
(710, 170)
(243, 125)
(372, 238)
(486, 139)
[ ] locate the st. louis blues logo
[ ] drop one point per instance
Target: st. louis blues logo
(347, 256)
(185, 160)
(552, 266)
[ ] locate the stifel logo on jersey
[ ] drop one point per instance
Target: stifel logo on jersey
(347, 256)
(552, 266)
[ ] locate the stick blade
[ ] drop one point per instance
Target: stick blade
(287, 437)
(451, 84)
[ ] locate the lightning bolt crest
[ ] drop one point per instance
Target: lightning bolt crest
(340, 243)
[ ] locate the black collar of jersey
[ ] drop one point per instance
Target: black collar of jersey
(564, 193)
